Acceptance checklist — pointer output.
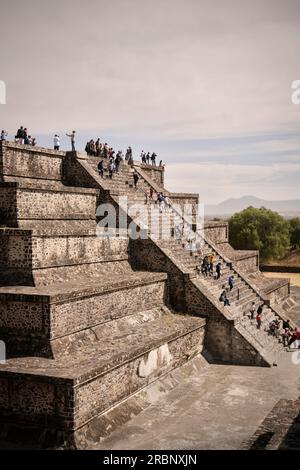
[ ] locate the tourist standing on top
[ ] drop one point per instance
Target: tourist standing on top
(148, 158)
(26, 139)
(72, 137)
(56, 142)
(20, 135)
(97, 147)
(143, 156)
(128, 155)
(3, 135)
(153, 157)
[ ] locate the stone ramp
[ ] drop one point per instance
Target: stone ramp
(66, 393)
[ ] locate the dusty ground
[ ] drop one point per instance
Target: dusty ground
(218, 408)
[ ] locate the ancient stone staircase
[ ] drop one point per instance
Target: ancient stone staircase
(241, 297)
(89, 320)
(83, 330)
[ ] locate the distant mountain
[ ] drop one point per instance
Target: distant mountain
(230, 206)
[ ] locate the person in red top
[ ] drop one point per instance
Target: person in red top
(295, 336)
(258, 321)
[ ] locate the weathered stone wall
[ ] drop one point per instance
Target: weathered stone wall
(278, 295)
(146, 255)
(222, 340)
(30, 323)
(35, 203)
(30, 162)
(66, 404)
(187, 204)
(217, 232)
(129, 378)
(156, 173)
(43, 401)
(247, 263)
(22, 249)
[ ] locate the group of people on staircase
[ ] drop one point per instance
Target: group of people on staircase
(112, 166)
(284, 332)
(103, 150)
(280, 329)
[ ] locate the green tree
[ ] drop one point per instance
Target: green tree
(260, 229)
(295, 232)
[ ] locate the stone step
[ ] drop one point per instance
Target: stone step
(25, 253)
(68, 393)
(268, 342)
(45, 321)
(22, 201)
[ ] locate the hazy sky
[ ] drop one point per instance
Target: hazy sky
(204, 83)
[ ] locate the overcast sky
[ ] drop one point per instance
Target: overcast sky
(204, 83)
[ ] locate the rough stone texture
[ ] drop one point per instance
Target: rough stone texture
(22, 203)
(29, 162)
(276, 290)
(31, 318)
(85, 328)
(280, 430)
(25, 254)
(216, 231)
(187, 204)
(156, 173)
(217, 407)
(66, 396)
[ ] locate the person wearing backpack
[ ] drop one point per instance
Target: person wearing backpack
(223, 298)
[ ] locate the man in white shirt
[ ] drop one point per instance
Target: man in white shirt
(72, 136)
(56, 142)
